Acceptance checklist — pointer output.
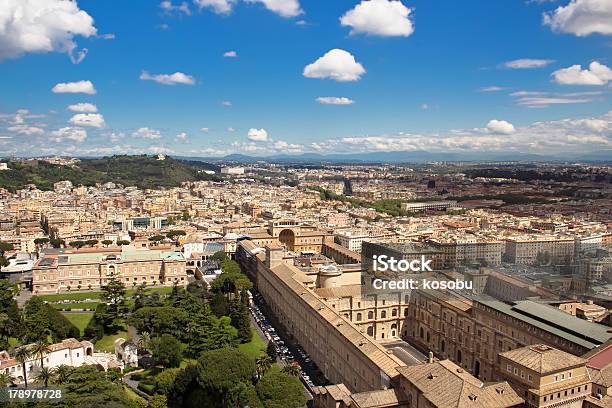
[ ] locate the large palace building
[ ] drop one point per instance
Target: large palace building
(72, 270)
(480, 352)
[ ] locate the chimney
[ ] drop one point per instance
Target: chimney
(430, 357)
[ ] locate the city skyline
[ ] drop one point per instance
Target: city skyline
(260, 77)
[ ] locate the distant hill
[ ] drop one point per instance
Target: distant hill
(141, 171)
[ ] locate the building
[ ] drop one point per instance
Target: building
(429, 206)
(353, 239)
(440, 384)
(529, 250)
(407, 251)
(65, 270)
(546, 377)
(232, 170)
(69, 352)
(469, 249)
(472, 332)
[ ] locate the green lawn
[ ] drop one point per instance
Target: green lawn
(255, 347)
(82, 305)
(96, 295)
(80, 320)
(107, 343)
(71, 296)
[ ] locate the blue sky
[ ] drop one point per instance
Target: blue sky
(427, 69)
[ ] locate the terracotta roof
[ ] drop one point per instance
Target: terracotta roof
(446, 385)
(543, 359)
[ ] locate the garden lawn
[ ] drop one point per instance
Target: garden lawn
(82, 305)
(107, 343)
(255, 348)
(80, 320)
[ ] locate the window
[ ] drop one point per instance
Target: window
(358, 317)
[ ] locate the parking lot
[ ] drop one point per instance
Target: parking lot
(288, 353)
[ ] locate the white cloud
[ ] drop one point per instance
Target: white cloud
(527, 63)
(336, 64)
(168, 79)
(284, 8)
(88, 119)
(26, 130)
(231, 129)
(385, 18)
(181, 136)
(230, 54)
(258, 135)
(85, 87)
(493, 88)
(40, 26)
(546, 101)
(69, 133)
(596, 74)
(227, 104)
(217, 6)
(334, 100)
(582, 18)
(83, 108)
(424, 106)
(170, 7)
(550, 137)
(501, 126)
(147, 133)
(205, 130)
(160, 150)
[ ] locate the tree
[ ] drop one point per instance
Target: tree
(91, 242)
(106, 242)
(173, 234)
(241, 320)
(6, 380)
(280, 390)
(40, 349)
(113, 294)
(62, 373)
(219, 256)
(263, 364)
(271, 351)
(57, 243)
(144, 340)
(291, 370)
(165, 380)
(166, 351)
(77, 244)
(156, 239)
(158, 401)
(23, 355)
(219, 304)
(44, 376)
(140, 296)
(219, 371)
(40, 242)
(5, 247)
(122, 242)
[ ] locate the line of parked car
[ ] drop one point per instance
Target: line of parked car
(298, 357)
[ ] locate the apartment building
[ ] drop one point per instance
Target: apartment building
(468, 249)
(352, 239)
(526, 249)
(407, 251)
(64, 270)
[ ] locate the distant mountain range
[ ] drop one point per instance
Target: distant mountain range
(409, 157)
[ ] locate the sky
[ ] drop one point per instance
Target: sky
(266, 77)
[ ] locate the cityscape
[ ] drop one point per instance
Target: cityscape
(188, 219)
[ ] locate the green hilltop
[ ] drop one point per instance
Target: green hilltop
(141, 171)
